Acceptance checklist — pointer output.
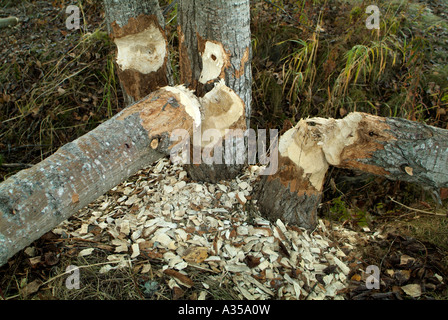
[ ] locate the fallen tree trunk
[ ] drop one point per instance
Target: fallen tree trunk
(394, 148)
(35, 200)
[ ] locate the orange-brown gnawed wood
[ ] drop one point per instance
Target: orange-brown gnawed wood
(244, 60)
(291, 177)
(166, 109)
(372, 133)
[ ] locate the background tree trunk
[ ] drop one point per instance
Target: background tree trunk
(36, 200)
(137, 28)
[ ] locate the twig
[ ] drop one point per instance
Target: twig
(16, 165)
(388, 250)
(418, 210)
(80, 267)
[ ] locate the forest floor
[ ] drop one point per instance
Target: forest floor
(57, 84)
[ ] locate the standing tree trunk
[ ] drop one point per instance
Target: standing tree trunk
(137, 28)
(215, 46)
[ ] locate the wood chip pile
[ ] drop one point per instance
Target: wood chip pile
(162, 215)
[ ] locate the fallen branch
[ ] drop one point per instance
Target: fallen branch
(8, 22)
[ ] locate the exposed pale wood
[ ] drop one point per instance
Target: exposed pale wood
(131, 17)
(221, 110)
(222, 23)
(35, 200)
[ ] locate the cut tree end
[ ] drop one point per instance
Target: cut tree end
(300, 146)
(189, 101)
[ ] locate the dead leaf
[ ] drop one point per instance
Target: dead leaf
(178, 293)
(35, 260)
(51, 258)
(184, 280)
(413, 290)
(402, 276)
(252, 261)
(85, 252)
(405, 259)
(196, 254)
(31, 287)
(61, 91)
(356, 277)
(443, 193)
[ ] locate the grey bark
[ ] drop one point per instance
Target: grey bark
(36, 200)
(122, 10)
(414, 146)
(226, 23)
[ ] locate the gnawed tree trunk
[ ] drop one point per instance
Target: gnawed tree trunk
(218, 146)
(137, 28)
(215, 45)
(35, 200)
(394, 148)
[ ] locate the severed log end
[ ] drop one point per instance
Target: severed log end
(218, 149)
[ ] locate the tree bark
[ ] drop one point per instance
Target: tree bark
(215, 43)
(394, 148)
(35, 200)
(137, 28)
